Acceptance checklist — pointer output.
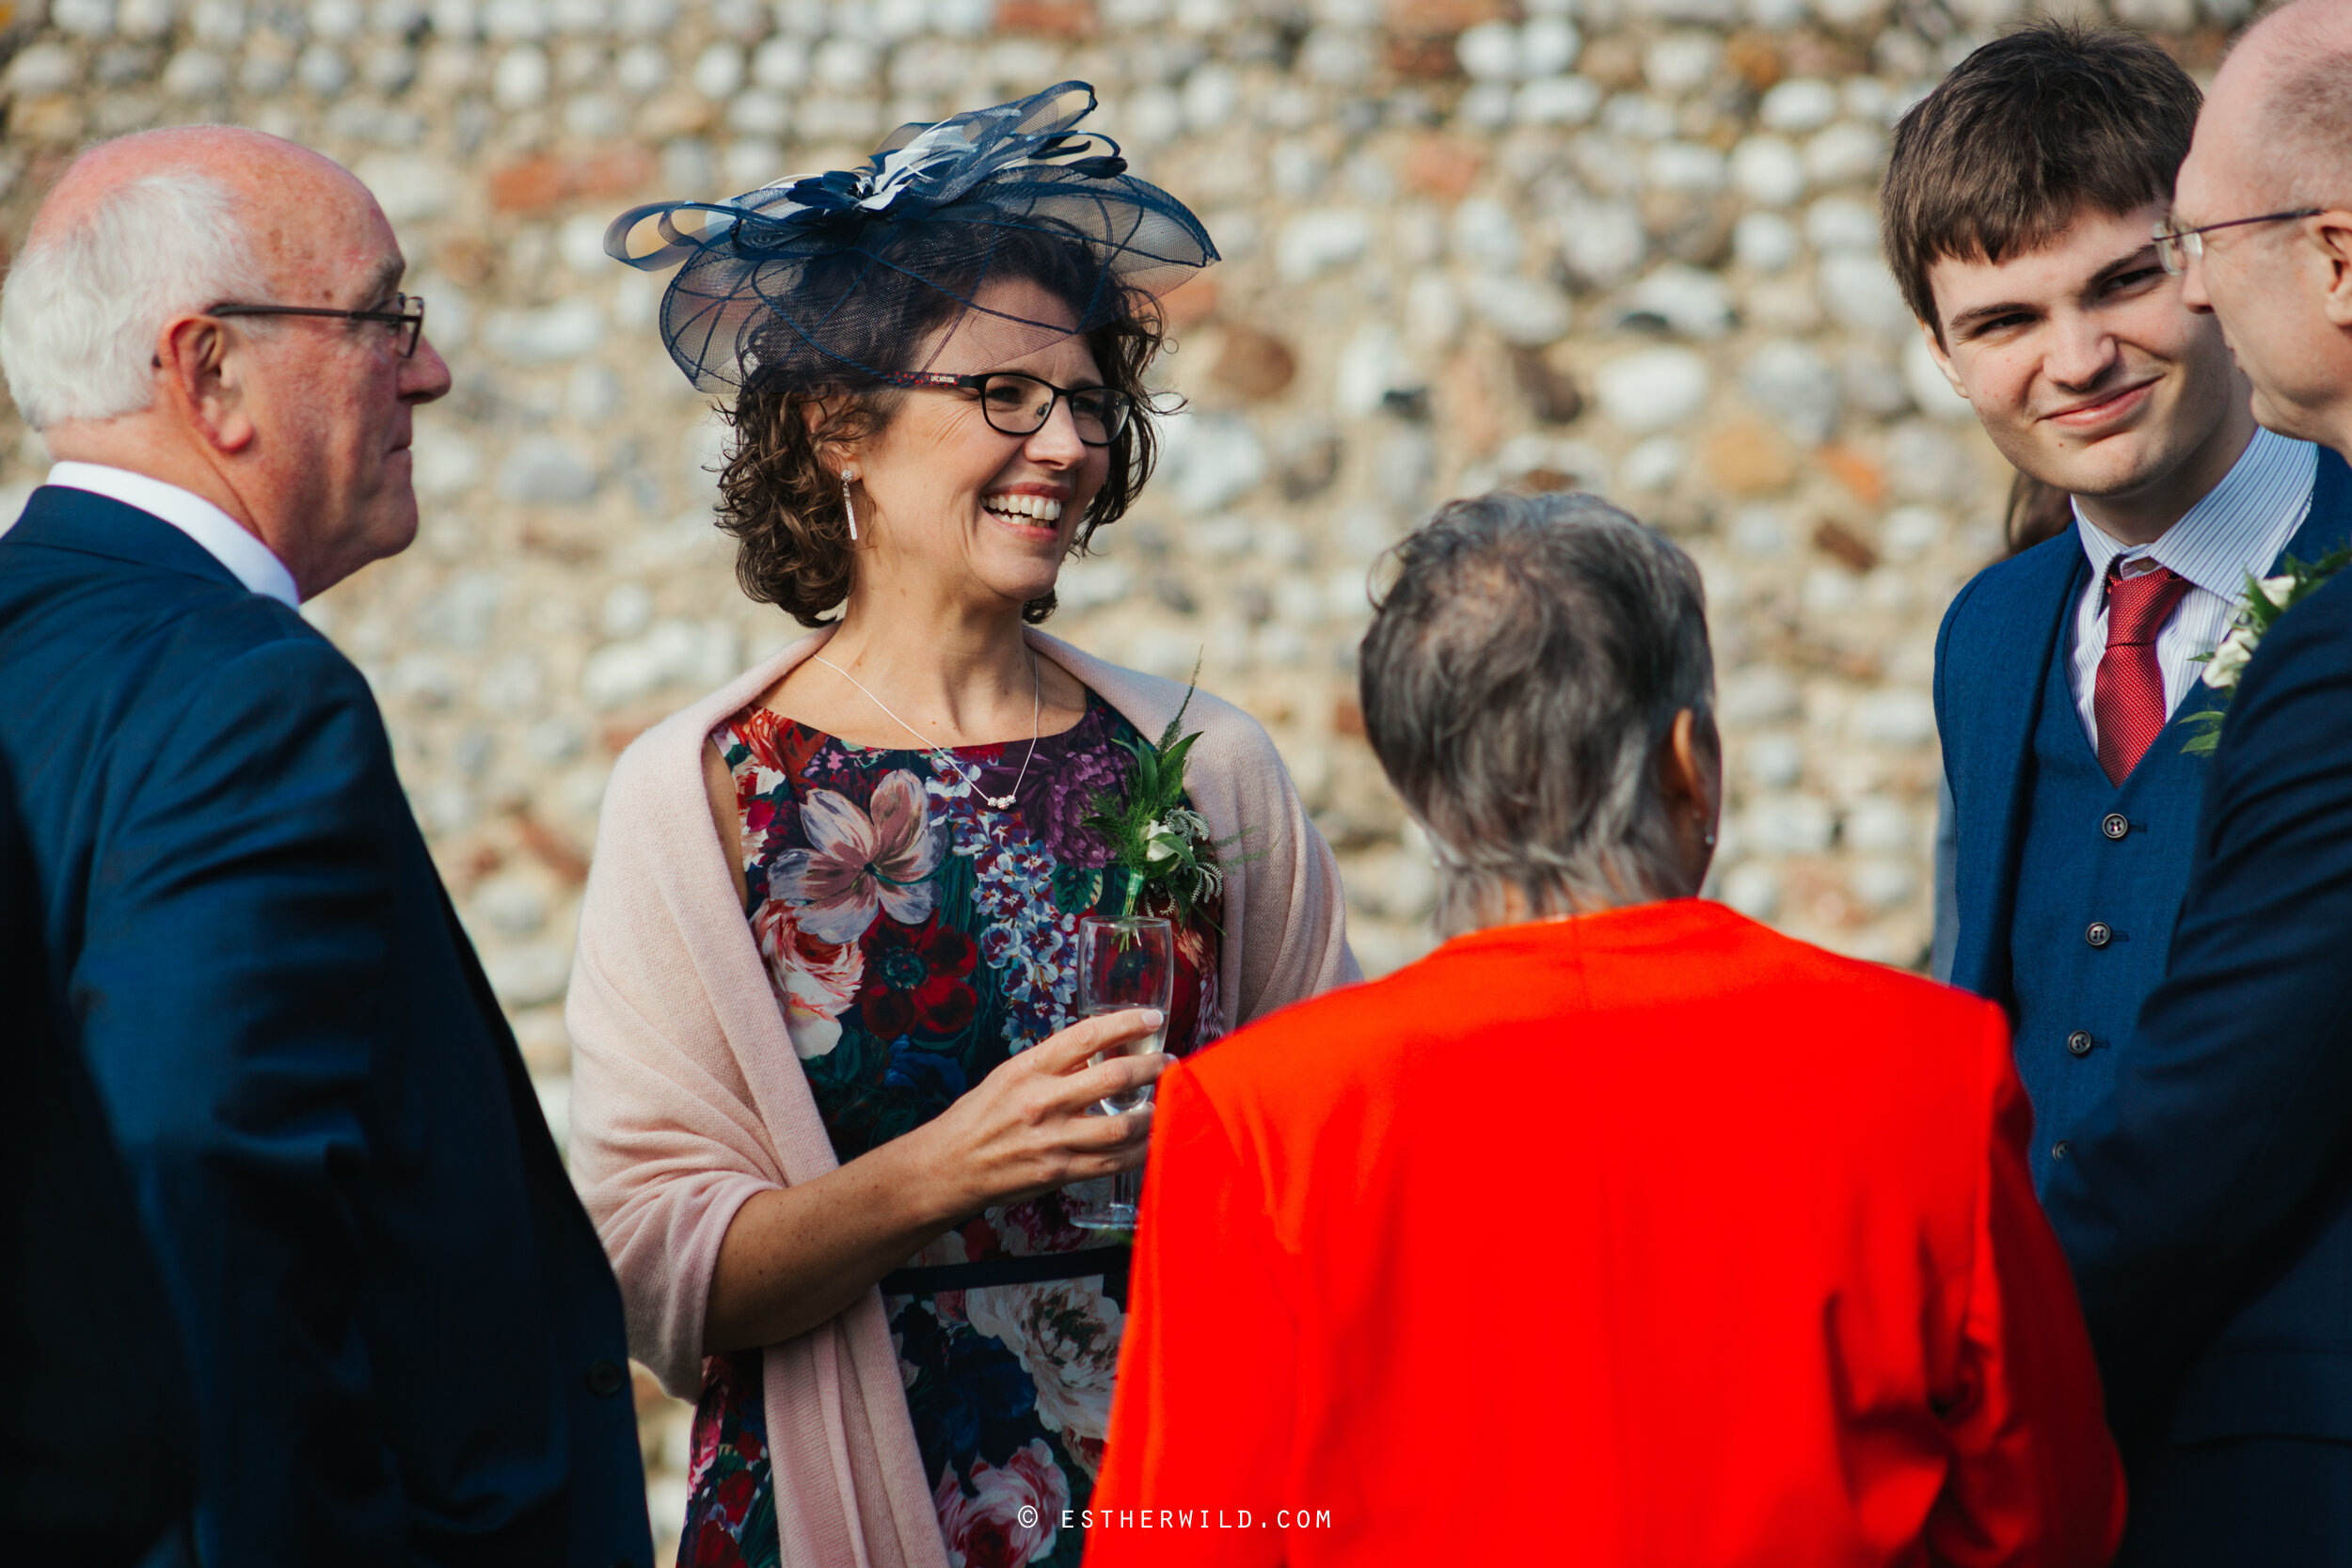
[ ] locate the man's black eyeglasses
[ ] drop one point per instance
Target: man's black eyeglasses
(2175, 246)
(406, 317)
(1017, 405)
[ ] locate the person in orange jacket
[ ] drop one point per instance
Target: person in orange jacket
(1619, 1230)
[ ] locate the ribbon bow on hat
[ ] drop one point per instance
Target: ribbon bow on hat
(932, 204)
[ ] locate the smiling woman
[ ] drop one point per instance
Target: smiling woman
(833, 1091)
(788, 489)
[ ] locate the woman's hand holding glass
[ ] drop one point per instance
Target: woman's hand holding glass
(796, 1256)
(1033, 1125)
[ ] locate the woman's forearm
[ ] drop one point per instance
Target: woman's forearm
(794, 1257)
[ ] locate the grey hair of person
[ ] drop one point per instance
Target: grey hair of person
(86, 299)
(1520, 675)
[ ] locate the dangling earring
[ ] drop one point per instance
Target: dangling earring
(847, 510)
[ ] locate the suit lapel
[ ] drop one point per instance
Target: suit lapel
(2329, 523)
(85, 523)
(1999, 671)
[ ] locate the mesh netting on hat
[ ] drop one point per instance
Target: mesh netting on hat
(844, 277)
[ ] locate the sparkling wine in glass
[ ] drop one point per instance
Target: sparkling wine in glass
(1124, 965)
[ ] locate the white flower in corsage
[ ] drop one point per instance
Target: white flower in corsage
(2266, 600)
(1161, 844)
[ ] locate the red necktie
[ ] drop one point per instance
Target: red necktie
(2128, 699)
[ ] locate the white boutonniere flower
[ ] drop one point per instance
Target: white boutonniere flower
(2266, 600)
(2221, 670)
(1161, 846)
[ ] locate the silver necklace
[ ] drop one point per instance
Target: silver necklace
(947, 758)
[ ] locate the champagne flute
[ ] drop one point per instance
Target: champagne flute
(1123, 963)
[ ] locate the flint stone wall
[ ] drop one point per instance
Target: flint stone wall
(1627, 245)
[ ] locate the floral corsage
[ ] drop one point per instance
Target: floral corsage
(1161, 844)
(2266, 599)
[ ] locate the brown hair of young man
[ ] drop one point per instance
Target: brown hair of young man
(2025, 135)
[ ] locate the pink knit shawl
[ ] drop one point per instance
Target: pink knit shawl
(687, 1098)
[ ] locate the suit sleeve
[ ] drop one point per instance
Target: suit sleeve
(235, 943)
(1206, 1317)
(99, 1429)
(2196, 1177)
(2034, 1476)
(1946, 938)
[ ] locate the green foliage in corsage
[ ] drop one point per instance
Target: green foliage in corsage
(1161, 844)
(2266, 600)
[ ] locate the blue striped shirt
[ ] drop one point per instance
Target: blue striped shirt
(2239, 526)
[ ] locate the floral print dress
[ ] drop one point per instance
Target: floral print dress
(916, 938)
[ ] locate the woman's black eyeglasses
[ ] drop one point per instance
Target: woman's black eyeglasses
(406, 317)
(2175, 245)
(1017, 405)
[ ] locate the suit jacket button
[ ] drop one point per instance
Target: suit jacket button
(605, 1379)
(2115, 824)
(2079, 1043)
(2058, 1150)
(2099, 933)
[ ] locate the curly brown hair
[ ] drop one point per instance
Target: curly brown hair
(784, 508)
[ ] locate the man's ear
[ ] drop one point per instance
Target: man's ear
(1943, 360)
(2331, 232)
(199, 370)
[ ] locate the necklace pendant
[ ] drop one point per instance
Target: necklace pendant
(1002, 802)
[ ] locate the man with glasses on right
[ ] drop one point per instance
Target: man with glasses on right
(2207, 1204)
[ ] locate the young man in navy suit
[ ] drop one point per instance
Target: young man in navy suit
(2207, 1207)
(2018, 207)
(405, 1342)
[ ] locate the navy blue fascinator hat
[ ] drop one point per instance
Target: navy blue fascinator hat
(835, 279)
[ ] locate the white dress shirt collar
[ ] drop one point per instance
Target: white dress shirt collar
(2239, 526)
(248, 559)
(2257, 506)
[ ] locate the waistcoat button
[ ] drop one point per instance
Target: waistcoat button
(2115, 824)
(2079, 1043)
(606, 1380)
(2058, 1150)
(2099, 933)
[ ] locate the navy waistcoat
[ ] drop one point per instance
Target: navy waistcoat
(2099, 886)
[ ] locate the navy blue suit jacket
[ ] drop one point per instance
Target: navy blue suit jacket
(2208, 1208)
(406, 1343)
(97, 1432)
(1995, 646)
(1993, 656)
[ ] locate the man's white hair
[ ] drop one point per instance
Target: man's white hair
(85, 300)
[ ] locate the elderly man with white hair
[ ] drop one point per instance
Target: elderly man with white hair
(407, 1344)
(2207, 1207)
